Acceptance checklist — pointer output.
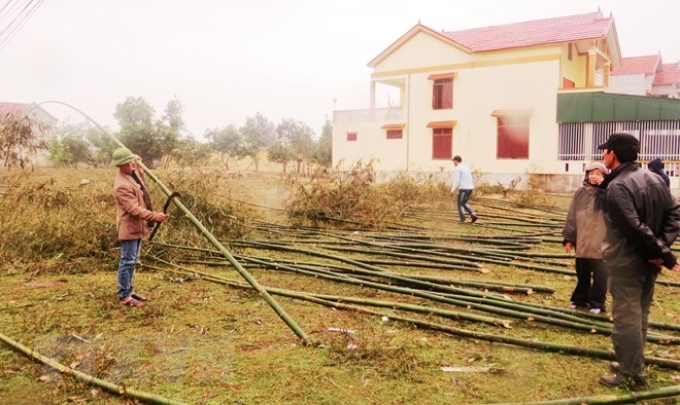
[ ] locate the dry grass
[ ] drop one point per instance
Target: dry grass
(205, 343)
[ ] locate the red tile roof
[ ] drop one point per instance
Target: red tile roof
(13, 107)
(647, 65)
(670, 67)
(670, 73)
(530, 33)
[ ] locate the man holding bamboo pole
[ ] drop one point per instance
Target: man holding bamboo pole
(133, 219)
(643, 221)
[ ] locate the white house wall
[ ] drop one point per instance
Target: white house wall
(634, 84)
(526, 79)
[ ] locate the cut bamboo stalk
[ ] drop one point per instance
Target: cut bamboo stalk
(115, 389)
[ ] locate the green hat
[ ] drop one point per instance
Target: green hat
(122, 156)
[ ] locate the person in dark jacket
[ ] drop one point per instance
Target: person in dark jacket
(583, 233)
(656, 166)
(643, 220)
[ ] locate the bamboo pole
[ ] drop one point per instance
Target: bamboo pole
(243, 272)
(547, 346)
(88, 379)
(632, 398)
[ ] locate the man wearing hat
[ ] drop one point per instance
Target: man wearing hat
(133, 212)
(642, 220)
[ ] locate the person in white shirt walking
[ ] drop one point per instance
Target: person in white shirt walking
(462, 181)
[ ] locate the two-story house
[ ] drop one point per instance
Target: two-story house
(502, 97)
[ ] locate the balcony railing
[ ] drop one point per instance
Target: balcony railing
(391, 114)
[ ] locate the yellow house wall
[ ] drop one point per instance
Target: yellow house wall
(372, 143)
(421, 51)
(477, 93)
(574, 70)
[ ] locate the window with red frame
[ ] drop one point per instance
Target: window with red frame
(395, 134)
(351, 137)
(442, 94)
(442, 143)
(513, 136)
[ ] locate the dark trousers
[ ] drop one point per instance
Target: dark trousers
(591, 285)
(631, 300)
(463, 207)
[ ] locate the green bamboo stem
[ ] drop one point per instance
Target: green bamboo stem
(485, 303)
(632, 398)
(243, 272)
(309, 252)
(405, 256)
(489, 285)
(555, 318)
(558, 348)
(115, 389)
(380, 274)
(378, 303)
(412, 251)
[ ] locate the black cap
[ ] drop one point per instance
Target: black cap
(624, 146)
(621, 142)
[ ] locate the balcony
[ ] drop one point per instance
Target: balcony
(391, 114)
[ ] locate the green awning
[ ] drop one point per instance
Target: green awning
(605, 107)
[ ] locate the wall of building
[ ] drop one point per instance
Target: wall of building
(524, 79)
(637, 85)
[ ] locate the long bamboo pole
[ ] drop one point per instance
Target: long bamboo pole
(243, 272)
(632, 398)
(88, 379)
(490, 337)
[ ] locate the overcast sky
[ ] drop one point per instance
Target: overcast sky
(225, 60)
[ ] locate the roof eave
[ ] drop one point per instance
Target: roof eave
(410, 34)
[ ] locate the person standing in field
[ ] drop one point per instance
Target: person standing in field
(133, 214)
(643, 221)
(462, 181)
(583, 233)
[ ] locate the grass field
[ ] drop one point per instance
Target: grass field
(206, 337)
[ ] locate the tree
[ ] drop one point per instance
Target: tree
(297, 136)
(170, 127)
(227, 141)
(278, 152)
(323, 154)
(189, 152)
(256, 134)
(137, 132)
(21, 138)
(103, 145)
(69, 146)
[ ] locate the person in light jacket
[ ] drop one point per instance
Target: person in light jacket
(462, 181)
(133, 215)
(583, 233)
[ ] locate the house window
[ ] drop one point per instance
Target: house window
(442, 143)
(351, 137)
(513, 136)
(442, 94)
(395, 133)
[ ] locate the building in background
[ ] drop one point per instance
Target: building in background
(646, 76)
(500, 97)
(36, 112)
